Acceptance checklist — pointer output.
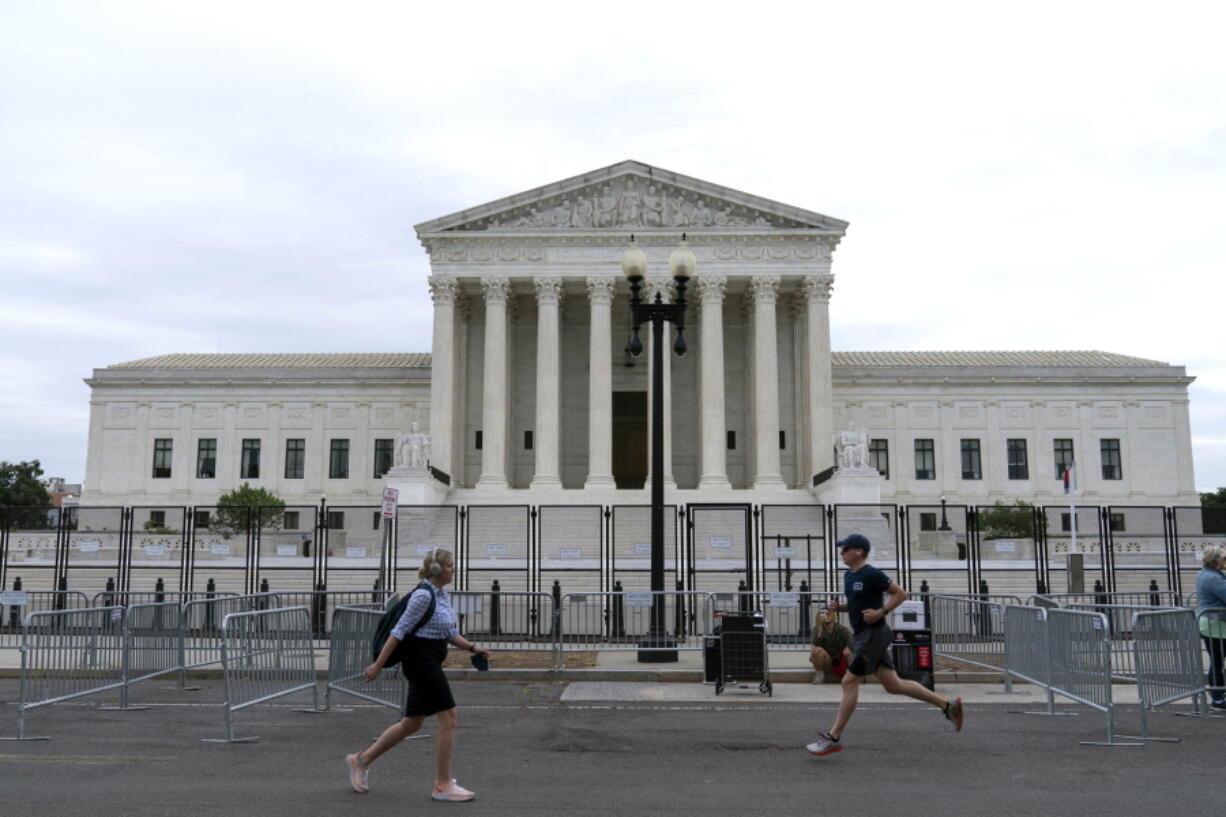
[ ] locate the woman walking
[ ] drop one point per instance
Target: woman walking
(425, 649)
(1211, 594)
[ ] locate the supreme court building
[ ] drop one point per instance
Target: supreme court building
(525, 397)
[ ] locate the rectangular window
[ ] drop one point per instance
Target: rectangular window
(1063, 450)
(206, 459)
(1112, 466)
(1116, 521)
(1066, 522)
(249, 468)
(972, 464)
(928, 520)
(925, 460)
(732, 441)
(1019, 468)
(477, 440)
(879, 456)
(384, 456)
(291, 520)
(295, 459)
(783, 439)
(157, 518)
(338, 460)
(162, 452)
(374, 525)
(336, 520)
(527, 440)
(201, 519)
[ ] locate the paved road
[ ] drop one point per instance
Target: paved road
(529, 750)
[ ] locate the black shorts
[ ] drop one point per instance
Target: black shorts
(871, 650)
(429, 691)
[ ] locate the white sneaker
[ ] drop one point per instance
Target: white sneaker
(825, 745)
(452, 793)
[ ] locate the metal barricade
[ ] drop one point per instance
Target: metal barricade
(34, 601)
(1166, 647)
(266, 654)
(525, 622)
(1152, 599)
(789, 615)
(201, 633)
(1080, 649)
(612, 621)
(1211, 625)
(1027, 655)
(349, 655)
(322, 603)
(1119, 626)
(127, 598)
(153, 635)
(971, 630)
(68, 654)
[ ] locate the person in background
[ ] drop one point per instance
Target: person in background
(1211, 594)
(831, 646)
(429, 693)
(865, 588)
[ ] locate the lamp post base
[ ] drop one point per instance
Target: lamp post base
(658, 648)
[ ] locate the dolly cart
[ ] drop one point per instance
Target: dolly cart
(742, 651)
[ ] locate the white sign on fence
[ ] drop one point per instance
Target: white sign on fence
(390, 497)
(642, 549)
(12, 598)
(1006, 546)
(495, 550)
(355, 553)
(287, 550)
(724, 542)
(570, 553)
(784, 553)
(424, 550)
(223, 548)
(155, 551)
(90, 547)
(467, 605)
(638, 598)
(994, 609)
(785, 599)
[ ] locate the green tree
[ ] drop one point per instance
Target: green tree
(1003, 521)
(1217, 499)
(21, 487)
(239, 508)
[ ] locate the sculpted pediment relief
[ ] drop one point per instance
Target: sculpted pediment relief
(630, 196)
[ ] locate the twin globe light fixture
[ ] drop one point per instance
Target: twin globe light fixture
(634, 265)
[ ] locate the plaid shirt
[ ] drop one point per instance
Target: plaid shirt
(441, 626)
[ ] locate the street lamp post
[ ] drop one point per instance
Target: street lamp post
(944, 520)
(658, 646)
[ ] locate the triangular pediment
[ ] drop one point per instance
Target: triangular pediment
(630, 196)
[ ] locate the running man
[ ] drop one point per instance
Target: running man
(865, 586)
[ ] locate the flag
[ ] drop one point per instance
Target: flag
(1070, 478)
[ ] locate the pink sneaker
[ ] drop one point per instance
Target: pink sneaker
(452, 793)
(357, 774)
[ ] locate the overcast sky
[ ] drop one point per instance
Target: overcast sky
(244, 176)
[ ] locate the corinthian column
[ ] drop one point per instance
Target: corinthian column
(600, 383)
(443, 291)
(714, 428)
(663, 287)
(494, 393)
(548, 417)
(818, 387)
(765, 290)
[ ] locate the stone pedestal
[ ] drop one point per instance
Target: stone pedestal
(416, 486)
(851, 486)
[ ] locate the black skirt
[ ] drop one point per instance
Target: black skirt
(429, 691)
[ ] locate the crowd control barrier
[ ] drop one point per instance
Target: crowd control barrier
(971, 630)
(15, 605)
(1167, 658)
(127, 598)
(1133, 598)
(153, 634)
(201, 635)
(67, 654)
(1212, 620)
(612, 622)
(507, 620)
(322, 603)
(265, 654)
(789, 615)
(353, 628)
(1027, 652)
(1080, 648)
(1119, 626)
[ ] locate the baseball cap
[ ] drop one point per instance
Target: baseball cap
(855, 540)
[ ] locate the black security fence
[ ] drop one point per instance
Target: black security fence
(557, 549)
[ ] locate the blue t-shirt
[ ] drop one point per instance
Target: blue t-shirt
(865, 589)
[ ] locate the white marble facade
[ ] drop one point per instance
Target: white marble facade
(530, 323)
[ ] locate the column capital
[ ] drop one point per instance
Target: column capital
(548, 289)
(497, 290)
(601, 288)
(764, 288)
(665, 286)
(819, 288)
(711, 288)
(444, 289)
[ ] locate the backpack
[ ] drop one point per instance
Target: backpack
(389, 620)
